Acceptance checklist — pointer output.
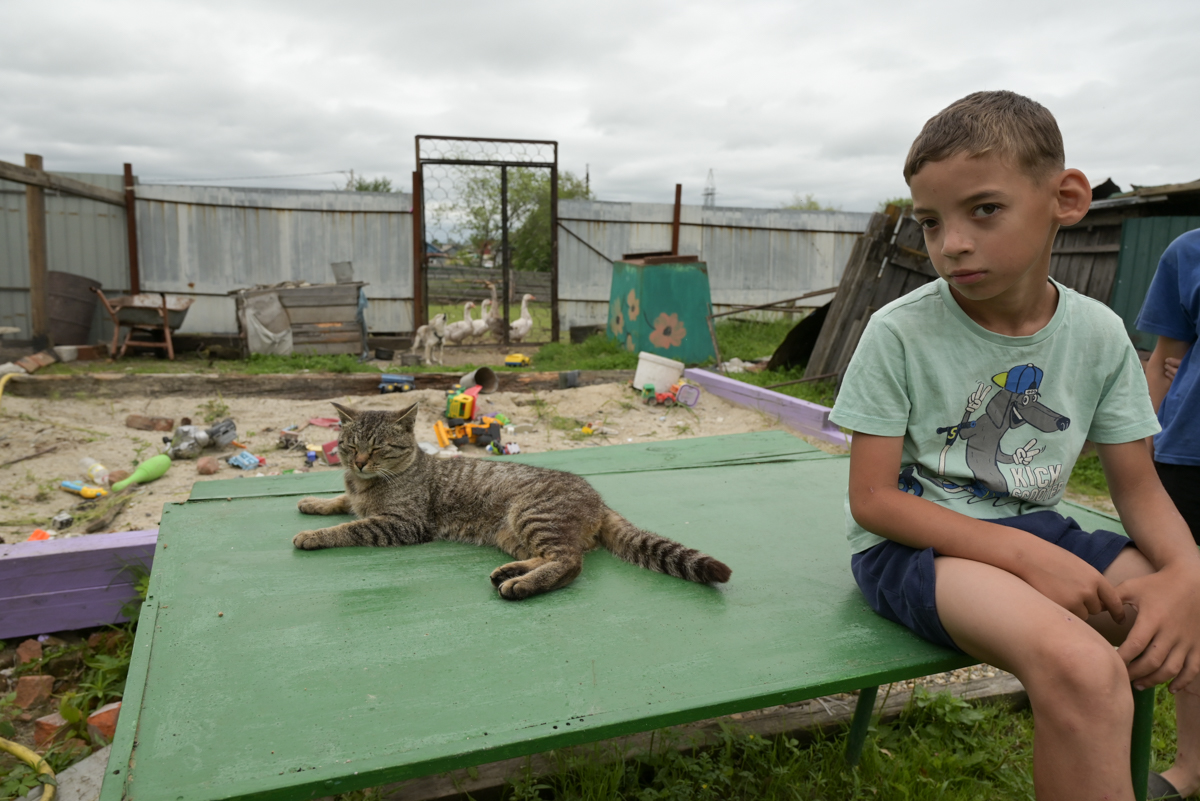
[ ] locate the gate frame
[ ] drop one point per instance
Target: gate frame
(421, 262)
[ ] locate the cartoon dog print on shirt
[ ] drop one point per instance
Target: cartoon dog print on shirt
(1015, 405)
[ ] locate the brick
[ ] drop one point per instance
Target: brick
(46, 728)
(29, 651)
(143, 423)
(117, 475)
(104, 719)
(207, 465)
(33, 690)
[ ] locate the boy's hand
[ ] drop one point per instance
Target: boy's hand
(1071, 583)
(1164, 643)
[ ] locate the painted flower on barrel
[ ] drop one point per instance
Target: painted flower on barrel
(635, 307)
(668, 331)
(618, 321)
(629, 342)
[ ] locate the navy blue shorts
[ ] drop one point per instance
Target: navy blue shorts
(898, 581)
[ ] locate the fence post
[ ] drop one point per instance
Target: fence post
(135, 275)
(35, 215)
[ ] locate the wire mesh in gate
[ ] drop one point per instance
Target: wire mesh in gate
(488, 215)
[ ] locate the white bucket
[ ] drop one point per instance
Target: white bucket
(657, 370)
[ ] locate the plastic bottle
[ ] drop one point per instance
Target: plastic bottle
(96, 472)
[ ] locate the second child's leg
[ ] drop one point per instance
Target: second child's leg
(1078, 687)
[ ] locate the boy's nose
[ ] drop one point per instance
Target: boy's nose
(955, 244)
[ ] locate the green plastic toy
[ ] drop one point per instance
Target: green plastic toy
(149, 470)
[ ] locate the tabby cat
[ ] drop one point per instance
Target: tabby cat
(546, 519)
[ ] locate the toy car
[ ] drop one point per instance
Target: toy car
(517, 360)
(392, 382)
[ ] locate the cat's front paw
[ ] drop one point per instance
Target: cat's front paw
(310, 540)
(313, 506)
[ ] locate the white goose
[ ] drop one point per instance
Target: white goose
(457, 332)
(480, 327)
(521, 327)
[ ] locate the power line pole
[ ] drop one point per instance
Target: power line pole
(710, 191)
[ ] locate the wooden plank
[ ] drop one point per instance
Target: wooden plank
(799, 415)
(53, 585)
(35, 176)
(322, 314)
(35, 222)
(328, 295)
(1082, 249)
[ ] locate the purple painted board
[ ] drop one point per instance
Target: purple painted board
(56, 585)
(801, 415)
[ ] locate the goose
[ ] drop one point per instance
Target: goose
(431, 336)
(457, 332)
(480, 327)
(521, 328)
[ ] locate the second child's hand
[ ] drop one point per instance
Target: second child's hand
(1164, 643)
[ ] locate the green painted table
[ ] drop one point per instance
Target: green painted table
(264, 672)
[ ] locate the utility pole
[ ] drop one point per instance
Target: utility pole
(710, 191)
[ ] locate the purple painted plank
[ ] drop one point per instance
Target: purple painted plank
(801, 415)
(54, 585)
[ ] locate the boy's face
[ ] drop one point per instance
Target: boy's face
(989, 227)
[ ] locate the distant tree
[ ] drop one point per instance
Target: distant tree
(360, 183)
(902, 202)
(808, 203)
(475, 211)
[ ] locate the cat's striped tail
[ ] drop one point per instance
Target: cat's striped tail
(649, 550)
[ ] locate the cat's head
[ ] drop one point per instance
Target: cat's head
(376, 444)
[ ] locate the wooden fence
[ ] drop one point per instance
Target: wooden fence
(460, 284)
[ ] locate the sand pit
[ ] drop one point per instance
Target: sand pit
(30, 497)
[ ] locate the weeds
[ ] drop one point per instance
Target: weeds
(597, 352)
(1087, 477)
(213, 409)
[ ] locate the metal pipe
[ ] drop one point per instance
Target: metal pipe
(420, 313)
(504, 242)
(675, 222)
(135, 273)
(860, 724)
(35, 217)
(554, 248)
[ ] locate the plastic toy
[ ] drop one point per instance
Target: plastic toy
(392, 382)
(83, 490)
(330, 449)
(517, 360)
(483, 432)
(149, 470)
(460, 407)
(647, 393)
(496, 449)
(310, 458)
(687, 394)
(246, 460)
(96, 472)
(189, 441)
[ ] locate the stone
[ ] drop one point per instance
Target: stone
(29, 651)
(117, 475)
(46, 728)
(104, 719)
(207, 465)
(81, 781)
(33, 690)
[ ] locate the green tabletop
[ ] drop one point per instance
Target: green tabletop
(264, 672)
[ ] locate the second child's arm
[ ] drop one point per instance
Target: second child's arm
(882, 508)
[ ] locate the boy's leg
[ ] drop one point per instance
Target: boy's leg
(1184, 775)
(1078, 687)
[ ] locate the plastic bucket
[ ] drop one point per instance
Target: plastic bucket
(71, 305)
(659, 371)
(485, 377)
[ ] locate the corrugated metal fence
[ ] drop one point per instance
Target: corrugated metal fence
(1143, 241)
(205, 241)
(754, 255)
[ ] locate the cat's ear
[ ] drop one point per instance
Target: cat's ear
(405, 418)
(345, 413)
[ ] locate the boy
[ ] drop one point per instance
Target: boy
(1172, 311)
(964, 549)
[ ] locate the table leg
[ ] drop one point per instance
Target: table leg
(859, 724)
(1139, 747)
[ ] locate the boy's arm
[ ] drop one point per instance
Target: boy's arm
(1156, 372)
(881, 507)
(1164, 642)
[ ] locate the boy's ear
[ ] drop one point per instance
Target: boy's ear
(1073, 196)
(345, 414)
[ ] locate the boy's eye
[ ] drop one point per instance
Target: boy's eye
(928, 223)
(986, 210)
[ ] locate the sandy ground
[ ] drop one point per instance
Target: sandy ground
(30, 497)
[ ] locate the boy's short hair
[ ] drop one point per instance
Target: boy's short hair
(1001, 123)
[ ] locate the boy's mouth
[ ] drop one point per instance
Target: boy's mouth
(964, 277)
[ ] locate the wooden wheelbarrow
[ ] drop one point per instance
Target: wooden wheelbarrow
(148, 311)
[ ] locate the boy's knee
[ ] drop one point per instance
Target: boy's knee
(1090, 672)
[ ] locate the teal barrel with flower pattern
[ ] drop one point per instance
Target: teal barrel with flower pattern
(662, 308)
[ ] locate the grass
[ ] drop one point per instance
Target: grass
(1087, 477)
(939, 748)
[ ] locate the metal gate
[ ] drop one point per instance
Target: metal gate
(462, 186)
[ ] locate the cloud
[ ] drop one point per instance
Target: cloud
(776, 97)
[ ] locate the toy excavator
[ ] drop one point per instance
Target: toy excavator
(481, 433)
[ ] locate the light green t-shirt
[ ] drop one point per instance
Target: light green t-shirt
(992, 425)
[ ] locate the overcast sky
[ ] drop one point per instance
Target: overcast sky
(777, 98)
